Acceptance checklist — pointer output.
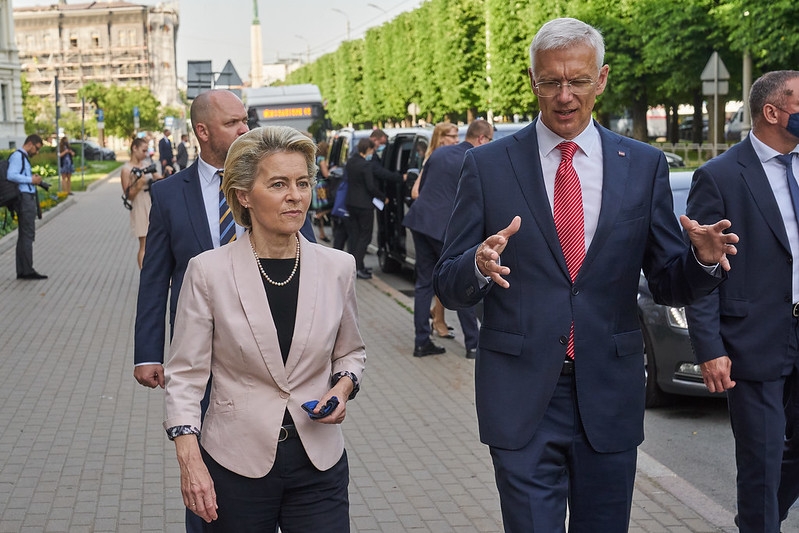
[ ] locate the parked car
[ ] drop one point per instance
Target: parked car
(733, 127)
(670, 364)
(674, 160)
(93, 151)
(686, 128)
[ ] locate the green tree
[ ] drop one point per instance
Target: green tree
(117, 103)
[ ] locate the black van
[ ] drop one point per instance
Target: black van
(403, 153)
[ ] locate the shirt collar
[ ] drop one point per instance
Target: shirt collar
(765, 152)
(548, 140)
(207, 172)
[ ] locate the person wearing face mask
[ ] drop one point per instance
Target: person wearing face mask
(361, 190)
(746, 333)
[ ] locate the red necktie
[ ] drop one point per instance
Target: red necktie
(568, 213)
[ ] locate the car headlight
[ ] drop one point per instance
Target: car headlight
(676, 317)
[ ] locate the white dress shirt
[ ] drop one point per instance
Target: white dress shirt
(209, 182)
(777, 176)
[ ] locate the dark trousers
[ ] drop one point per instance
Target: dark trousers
(294, 495)
(360, 224)
(26, 232)
(428, 252)
(765, 422)
(340, 233)
(559, 465)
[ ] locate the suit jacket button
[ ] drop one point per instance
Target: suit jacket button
(563, 340)
(575, 291)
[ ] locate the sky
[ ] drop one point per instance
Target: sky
(219, 30)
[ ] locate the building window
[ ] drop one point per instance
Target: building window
(123, 38)
(96, 41)
(73, 42)
(3, 102)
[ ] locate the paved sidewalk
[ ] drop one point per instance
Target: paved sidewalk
(81, 444)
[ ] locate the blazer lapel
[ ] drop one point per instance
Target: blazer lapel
(755, 177)
(524, 158)
(306, 302)
(250, 288)
(195, 206)
(615, 173)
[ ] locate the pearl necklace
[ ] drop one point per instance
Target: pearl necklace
(263, 272)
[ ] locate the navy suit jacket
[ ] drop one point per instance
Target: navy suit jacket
(749, 316)
(430, 212)
(178, 231)
(526, 327)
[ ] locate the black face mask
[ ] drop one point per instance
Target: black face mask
(793, 122)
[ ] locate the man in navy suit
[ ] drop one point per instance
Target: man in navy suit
(746, 334)
(165, 154)
(427, 219)
(184, 222)
(560, 428)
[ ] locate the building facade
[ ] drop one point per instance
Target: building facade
(12, 125)
(106, 42)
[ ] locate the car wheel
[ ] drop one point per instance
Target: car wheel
(654, 396)
(388, 264)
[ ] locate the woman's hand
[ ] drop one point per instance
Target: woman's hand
(196, 484)
(342, 391)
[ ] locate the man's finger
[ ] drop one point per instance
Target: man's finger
(512, 228)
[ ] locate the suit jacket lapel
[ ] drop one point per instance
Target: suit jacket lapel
(755, 178)
(615, 173)
(195, 206)
(524, 159)
(306, 302)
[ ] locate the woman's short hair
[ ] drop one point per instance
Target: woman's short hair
(365, 144)
(247, 152)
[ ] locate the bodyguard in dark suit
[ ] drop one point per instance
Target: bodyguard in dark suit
(560, 368)
(427, 219)
(361, 190)
(746, 334)
(184, 221)
(165, 154)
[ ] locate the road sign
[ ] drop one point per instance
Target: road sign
(714, 77)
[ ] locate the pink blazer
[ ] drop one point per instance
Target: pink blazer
(224, 327)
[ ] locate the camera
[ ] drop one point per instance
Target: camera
(139, 172)
(44, 185)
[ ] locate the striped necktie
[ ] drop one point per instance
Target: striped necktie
(568, 214)
(227, 228)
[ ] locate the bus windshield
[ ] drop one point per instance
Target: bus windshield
(298, 106)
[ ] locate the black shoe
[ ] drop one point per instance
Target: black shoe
(32, 275)
(367, 269)
(429, 348)
(363, 274)
(471, 353)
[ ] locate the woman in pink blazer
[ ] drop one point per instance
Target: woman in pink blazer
(274, 319)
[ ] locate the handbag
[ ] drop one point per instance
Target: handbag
(340, 205)
(320, 196)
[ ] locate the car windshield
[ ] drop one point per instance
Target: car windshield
(680, 186)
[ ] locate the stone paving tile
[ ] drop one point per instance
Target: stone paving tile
(82, 448)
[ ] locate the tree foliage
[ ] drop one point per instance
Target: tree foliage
(458, 59)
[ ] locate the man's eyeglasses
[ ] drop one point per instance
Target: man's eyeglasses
(548, 89)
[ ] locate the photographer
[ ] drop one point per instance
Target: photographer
(19, 171)
(136, 177)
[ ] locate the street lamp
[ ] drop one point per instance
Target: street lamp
(337, 10)
(378, 7)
